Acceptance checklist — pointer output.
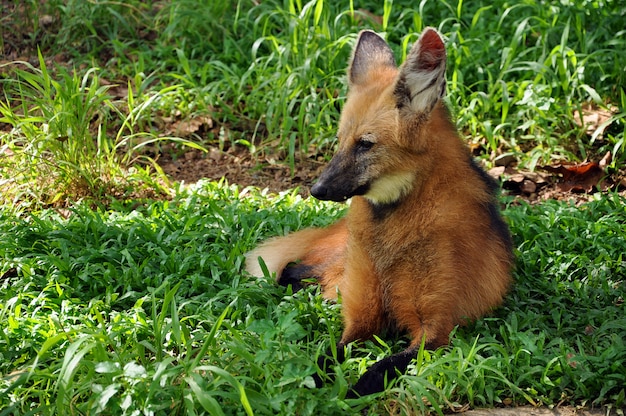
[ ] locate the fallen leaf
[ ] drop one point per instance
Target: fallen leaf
(505, 159)
(46, 20)
(538, 178)
(577, 177)
(521, 181)
(365, 15)
(570, 360)
(496, 172)
(117, 91)
(190, 126)
(606, 160)
(517, 178)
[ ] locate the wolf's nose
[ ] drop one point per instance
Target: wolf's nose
(319, 191)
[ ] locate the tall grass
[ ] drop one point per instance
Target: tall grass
(272, 74)
(517, 72)
(69, 138)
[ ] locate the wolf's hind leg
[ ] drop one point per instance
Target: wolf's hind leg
(295, 275)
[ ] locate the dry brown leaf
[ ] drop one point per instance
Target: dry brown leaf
(577, 177)
(496, 172)
(364, 14)
(190, 126)
(116, 91)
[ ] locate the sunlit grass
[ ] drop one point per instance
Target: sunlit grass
(148, 310)
(517, 73)
(70, 139)
(272, 75)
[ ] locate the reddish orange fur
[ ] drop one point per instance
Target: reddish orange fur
(434, 258)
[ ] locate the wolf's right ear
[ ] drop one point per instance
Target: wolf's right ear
(422, 79)
(371, 51)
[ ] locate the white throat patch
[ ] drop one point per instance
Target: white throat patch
(390, 188)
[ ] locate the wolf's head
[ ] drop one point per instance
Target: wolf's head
(384, 124)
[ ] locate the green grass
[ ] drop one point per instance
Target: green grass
(271, 75)
(148, 310)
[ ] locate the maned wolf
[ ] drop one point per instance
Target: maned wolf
(423, 247)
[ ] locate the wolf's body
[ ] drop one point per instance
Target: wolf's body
(423, 247)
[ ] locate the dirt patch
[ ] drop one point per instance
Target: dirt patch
(238, 166)
(576, 182)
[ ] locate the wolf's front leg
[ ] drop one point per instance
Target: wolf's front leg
(362, 305)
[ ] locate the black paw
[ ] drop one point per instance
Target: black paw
(294, 275)
(371, 382)
(375, 379)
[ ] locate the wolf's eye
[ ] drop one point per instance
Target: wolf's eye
(364, 144)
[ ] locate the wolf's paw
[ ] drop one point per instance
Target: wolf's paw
(375, 379)
(295, 274)
(371, 382)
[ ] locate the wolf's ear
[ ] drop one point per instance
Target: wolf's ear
(371, 51)
(422, 79)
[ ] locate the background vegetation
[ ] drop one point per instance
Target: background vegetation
(271, 76)
(123, 306)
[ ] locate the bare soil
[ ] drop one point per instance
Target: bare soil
(237, 166)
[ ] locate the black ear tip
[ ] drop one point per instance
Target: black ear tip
(369, 37)
(369, 34)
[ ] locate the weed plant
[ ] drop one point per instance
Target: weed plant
(517, 72)
(70, 139)
(148, 311)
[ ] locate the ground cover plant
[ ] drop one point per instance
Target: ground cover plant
(131, 299)
(148, 311)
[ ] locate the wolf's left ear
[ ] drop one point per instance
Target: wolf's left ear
(422, 79)
(371, 51)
